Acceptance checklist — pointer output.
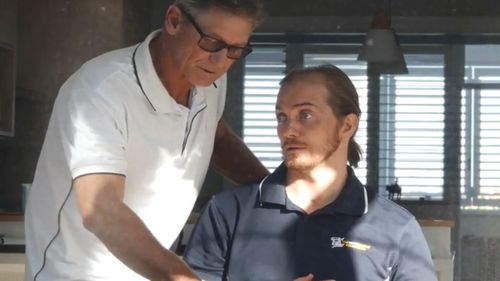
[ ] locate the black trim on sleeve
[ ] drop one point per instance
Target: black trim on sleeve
(116, 174)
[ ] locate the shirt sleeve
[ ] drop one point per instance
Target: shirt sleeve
(415, 262)
(92, 134)
(207, 248)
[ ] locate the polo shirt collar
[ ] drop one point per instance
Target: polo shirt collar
(352, 200)
(272, 187)
(151, 85)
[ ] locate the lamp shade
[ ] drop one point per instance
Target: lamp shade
(381, 48)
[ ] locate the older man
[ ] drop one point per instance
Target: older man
(128, 146)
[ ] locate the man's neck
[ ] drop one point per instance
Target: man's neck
(315, 188)
(177, 86)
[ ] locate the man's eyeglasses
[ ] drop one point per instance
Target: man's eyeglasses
(210, 44)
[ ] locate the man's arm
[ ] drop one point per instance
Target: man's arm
(415, 261)
(100, 200)
(208, 245)
(232, 159)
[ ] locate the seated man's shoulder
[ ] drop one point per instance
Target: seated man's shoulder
(386, 208)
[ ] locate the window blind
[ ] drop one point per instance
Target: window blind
(412, 128)
(264, 68)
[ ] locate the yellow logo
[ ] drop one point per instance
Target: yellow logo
(356, 245)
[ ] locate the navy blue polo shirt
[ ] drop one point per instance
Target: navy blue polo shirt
(255, 233)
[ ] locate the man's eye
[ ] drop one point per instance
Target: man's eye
(212, 43)
(280, 118)
(305, 115)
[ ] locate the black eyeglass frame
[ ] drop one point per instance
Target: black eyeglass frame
(216, 44)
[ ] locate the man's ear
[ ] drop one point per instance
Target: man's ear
(172, 20)
(349, 126)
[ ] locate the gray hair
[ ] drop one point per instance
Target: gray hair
(253, 9)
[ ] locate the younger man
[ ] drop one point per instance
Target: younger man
(311, 218)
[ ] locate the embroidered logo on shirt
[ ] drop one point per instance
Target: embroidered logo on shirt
(340, 242)
(337, 242)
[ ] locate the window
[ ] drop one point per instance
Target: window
(411, 148)
(480, 161)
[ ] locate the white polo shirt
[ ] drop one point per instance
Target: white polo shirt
(115, 116)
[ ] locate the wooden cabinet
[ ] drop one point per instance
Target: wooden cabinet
(438, 236)
(12, 267)
(11, 217)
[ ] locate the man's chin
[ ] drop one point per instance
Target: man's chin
(203, 82)
(205, 79)
(297, 164)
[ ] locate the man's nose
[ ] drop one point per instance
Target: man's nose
(290, 129)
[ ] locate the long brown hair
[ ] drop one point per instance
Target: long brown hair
(343, 98)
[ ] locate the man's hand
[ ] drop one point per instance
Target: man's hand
(309, 277)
